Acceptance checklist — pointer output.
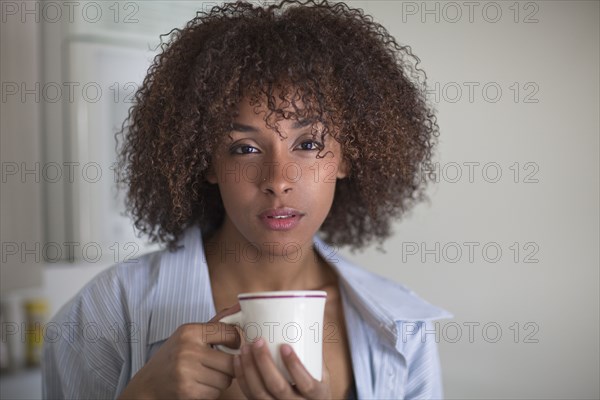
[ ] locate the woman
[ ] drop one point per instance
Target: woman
(262, 139)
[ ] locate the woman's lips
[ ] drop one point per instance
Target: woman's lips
(281, 219)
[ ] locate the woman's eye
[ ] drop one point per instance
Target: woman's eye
(245, 149)
(311, 145)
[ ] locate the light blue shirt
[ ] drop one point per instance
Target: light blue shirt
(109, 330)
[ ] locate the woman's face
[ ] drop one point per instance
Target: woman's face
(276, 193)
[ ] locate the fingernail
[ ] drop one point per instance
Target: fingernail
(259, 343)
(236, 361)
(286, 350)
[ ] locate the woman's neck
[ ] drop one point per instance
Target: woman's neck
(237, 266)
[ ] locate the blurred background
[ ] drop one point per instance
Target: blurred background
(509, 242)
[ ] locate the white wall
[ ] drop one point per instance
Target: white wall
(551, 212)
(557, 217)
(20, 152)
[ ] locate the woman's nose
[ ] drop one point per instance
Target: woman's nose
(279, 175)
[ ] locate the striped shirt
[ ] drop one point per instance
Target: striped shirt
(99, 340)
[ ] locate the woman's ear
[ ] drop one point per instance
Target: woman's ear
(343, 169)
(211, 175)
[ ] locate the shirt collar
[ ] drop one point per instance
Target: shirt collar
(183, 293)
(380, 302)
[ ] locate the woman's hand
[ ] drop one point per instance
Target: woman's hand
(186, 366)
(259, 378)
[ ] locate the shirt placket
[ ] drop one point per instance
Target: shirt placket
(393, 375)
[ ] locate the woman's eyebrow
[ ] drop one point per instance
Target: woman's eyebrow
(301, 123)
(237, 126)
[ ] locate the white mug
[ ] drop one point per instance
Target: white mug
(294, 317)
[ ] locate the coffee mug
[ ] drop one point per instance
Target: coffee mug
(293, 317)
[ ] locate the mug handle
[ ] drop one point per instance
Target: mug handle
(233, 319)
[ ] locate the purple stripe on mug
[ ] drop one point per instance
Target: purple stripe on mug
(281, 297)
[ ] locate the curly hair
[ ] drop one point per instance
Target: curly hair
(351, 75)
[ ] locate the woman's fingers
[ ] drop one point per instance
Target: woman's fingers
(225, 312)
(222, 333)
(199, 337)
(259, 377)
(276, 384)
(213, 378)
(307, 385)
(251, 376)
(218, 361)
(239, 374)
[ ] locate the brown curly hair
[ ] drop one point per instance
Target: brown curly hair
(351, 75)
